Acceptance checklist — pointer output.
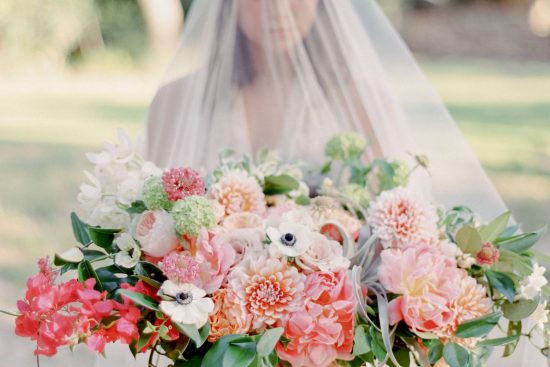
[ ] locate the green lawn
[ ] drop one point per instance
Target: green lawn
(504, 110)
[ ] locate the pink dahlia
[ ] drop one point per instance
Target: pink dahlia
(180, 267)
(239, 192)
(180, 183)
(229, 316)
(399, 219)
(269, 288)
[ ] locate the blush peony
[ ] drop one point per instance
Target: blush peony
(156, 233)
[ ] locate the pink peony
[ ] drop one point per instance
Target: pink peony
(156, 233)
(488, 255)
(399, 219)
(180, 183)
(180, 267)
(239, 192)
(215, 257)
(268, 287)
(426, 281)
(242, 241)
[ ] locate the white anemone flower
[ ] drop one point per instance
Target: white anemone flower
(289, 239)
(129, 253)
(185, 303)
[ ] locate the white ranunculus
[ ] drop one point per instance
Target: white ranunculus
(90, 194)
(129, 253)
(185, 303)
(323, 255)
(530, 287)
(107, 214)
(129, 189)
(156, 233)
(289, 239)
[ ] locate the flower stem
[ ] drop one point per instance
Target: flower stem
(37, 360)
(9, 313)
(151, 355)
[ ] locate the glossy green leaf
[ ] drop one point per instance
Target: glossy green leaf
(282, 184)
(149, 270)
(360, 343)
(103, 237)
(137, 207)
(522, 242)
(435, 351)
(455, 355)
(198, 336)
(469, 240)
(214, 356)
(239, 355)
(478, 327)
(71, 256)
(519, 310)
(491, 231)
(503, 283)
(140, 299)
(268, 341)
(80, 230)
(86, 271)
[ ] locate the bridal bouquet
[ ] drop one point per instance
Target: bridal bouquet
(248, 266)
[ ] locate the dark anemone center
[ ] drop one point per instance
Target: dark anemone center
(288, 239)
(184, 298)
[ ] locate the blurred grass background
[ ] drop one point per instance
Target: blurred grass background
(65, 88)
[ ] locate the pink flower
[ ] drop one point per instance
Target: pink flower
(322, 254)
(268, 287)
(242, 241)
(488, 255)
(244, 220)
(156, 233)
(426, 281)
(215, 257)
(229, 316)
(239, 192)
(351, 225)
(180, 183)
(180, 267)
(399, 219)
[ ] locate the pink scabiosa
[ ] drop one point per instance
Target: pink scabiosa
(180, 183)
(239, 192)
(180, 267)
(193, 214)
(269, 288)
(400, 219)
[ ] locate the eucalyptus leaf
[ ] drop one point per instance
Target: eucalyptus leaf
(239, 355)
(478, 327)
(491, 231)
(360, 343)
(519, 310)
(198, 336)
(455, 355)
(268, 341)
(469, 240)
(514, 329)
(503, 283)
(214, 356)
(522, 242)
(498, 341)
(435, 351)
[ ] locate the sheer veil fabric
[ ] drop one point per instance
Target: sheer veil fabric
(288, 74)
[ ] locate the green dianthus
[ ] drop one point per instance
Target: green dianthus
(192, 214)
(345, 146)
(154, 195)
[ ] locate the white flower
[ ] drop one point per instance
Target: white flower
(187, 305)
(323, 255)
(129, 189)
(530, 287)
(90, 194)
(129, 253)
(290, 239)
(156, 233)
(150, 169)
(299, 215)
(465, 261)
(540, 316)
(107, 214)
(123, 152)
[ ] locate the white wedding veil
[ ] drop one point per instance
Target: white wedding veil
(288, 74)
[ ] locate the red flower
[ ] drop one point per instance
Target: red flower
(180, 183)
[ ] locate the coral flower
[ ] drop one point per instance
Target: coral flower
(488, 255)
(229, 316)
(269, 287)
(180, 183)
(239, 192)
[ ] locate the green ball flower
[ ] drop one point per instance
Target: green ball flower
(400, 176)
(344, 146)
(154, 195)
(193, 214)
(357, 194)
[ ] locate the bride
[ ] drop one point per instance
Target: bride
(288, 74)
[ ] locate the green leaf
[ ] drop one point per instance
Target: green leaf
(71, 256)
(103, 237)
(140, 299)
(137, 207)
(503, 283)
(86, 271)
(519, 310)
(302, 200)
(510, 231)
(198, 336)
(514, 329)
(360, 343)
(196, 361)
(282, 184)
(94, 255)
(268, 341)
(80, 230)
(491, 231)
(326, 167)
(214, 356)
(109, 280)
(455, 355)
(435, 351)
(239, 355)
(402, 356)
(498, 341)
(149, 270)
(469, 240)
(377, 344)
(478, 327)
(522, 242)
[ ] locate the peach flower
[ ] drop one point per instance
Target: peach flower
(399, 219)
(156, 233)
(238, 192)
(351, 225)
(244, 220)
(215, 258)
(269, 287)
(322, 254)
(488, 255)
(229, 316)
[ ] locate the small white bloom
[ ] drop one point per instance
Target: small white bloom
(530, 287)
(465, 261)
(540, 316)
(187, 305)
(299, 216)
(90, 194)
(129, 253)
(150, 169)
(107, 214)
(290, 239)
(129, 189)
(123, 152)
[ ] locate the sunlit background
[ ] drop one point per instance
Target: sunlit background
(72, 71)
